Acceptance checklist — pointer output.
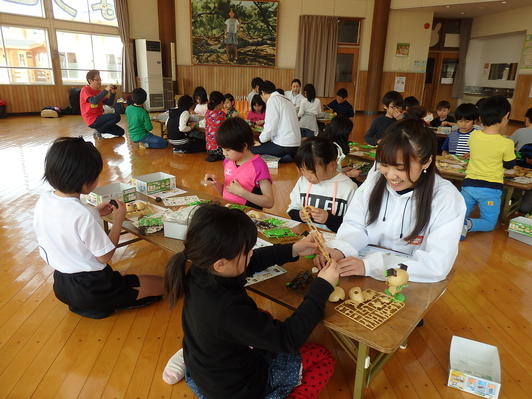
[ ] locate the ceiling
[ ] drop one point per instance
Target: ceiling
(475, 9)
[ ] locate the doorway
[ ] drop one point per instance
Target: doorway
(439, 78)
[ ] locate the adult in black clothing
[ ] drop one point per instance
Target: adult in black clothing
(341, 106)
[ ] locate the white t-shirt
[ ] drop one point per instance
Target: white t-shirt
(294, 98)
(308, 112)
(280, 124)
(69, 234)
(201, 109)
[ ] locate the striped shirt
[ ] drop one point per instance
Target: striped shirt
(462, 146)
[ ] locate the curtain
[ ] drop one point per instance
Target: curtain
(459, 79)
(128, 65)
(316, 53)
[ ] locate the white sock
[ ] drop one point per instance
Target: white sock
(175, 368)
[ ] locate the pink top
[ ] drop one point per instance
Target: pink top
(249, 174)
(255, 116)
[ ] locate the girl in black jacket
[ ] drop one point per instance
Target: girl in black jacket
(231, 348)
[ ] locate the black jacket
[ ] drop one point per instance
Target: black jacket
(227, 339)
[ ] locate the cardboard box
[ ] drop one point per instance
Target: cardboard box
(475, 368)
(520, 228)
(154, 183)
(118, 191)
(176, 223)
(271, 161)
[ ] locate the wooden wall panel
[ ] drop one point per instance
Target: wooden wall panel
(521, 100)
(234, 80)
(415, 83)
(32, 98)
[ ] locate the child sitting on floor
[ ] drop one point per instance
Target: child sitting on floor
(443, 119)
(320, 187)
(231, 348)
(139, 123)
(341, 106)
(247, 179)
(214, 117)
(491, 152)
(73, 242)
(393, 105)
(229, 106)
(201, 100)
(181, 133)
(458, 141)
(258, 111)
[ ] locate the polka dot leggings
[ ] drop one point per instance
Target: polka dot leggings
(318, 367)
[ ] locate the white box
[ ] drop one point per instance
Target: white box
(271, 161)
(176, 223)
(520, 228)
(475, 368)
(118, 191)
(155, 182)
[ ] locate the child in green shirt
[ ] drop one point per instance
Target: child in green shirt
(139, 123)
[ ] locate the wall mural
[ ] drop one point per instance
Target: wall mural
(234, 32)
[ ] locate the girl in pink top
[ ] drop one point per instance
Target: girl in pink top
(258, 111)
(213, 119)
(247, 179)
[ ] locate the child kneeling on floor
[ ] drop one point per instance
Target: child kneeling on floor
(247, 180)
(231, 348)
(73, 242)
(321, 186)
(139, 123)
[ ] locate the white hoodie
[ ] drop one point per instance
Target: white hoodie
(333, 195)
(430, 256)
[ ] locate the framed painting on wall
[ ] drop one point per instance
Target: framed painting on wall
(234, 32)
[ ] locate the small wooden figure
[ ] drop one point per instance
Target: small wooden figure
(396, 279)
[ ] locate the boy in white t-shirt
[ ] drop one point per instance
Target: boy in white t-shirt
(73, 242)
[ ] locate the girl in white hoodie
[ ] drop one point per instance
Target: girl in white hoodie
(404, 206)
(321, 187)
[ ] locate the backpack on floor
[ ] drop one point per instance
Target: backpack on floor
(73, 95)
(50, 112)
(3, 113)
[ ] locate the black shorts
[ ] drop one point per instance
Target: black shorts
(101, 291)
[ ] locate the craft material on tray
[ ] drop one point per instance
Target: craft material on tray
(180, 201)
(266, 274)
(371, 313)
(318, 237)
(262, 243)
(236, 206)
(265, 221)
(149, 224)
(166, 194)
(138, 209)
(279, 233)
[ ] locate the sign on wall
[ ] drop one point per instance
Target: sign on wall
(234, 32)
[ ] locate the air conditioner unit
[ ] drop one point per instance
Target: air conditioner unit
(149, 67)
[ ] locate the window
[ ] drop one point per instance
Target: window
(502, 71)
(89, 11)
(33, 8)
(348, 31)
(79, 52)
(25, 56)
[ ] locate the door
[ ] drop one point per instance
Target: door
(439, 79)
(346, 71)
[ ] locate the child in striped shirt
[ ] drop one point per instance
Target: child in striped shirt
(458, 141)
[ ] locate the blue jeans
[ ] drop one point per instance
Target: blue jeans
(154, 141)
(107, 123)
(489, 203)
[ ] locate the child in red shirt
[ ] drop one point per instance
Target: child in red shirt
(247, 179)
(91, 100)
(213, 119)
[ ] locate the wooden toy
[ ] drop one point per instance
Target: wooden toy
(337, 295)
(396, 279)
(371, 313)
(318, 237)
(301, 280)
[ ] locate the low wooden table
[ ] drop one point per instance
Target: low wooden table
(355, 339)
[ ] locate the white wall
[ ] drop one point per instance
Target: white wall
(492, 50)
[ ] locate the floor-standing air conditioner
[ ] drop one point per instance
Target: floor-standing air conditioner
(150, 70)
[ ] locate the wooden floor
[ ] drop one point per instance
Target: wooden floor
(46, 351)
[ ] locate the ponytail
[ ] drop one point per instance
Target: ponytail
(206, 242)
(215, 98)
(174, 278)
